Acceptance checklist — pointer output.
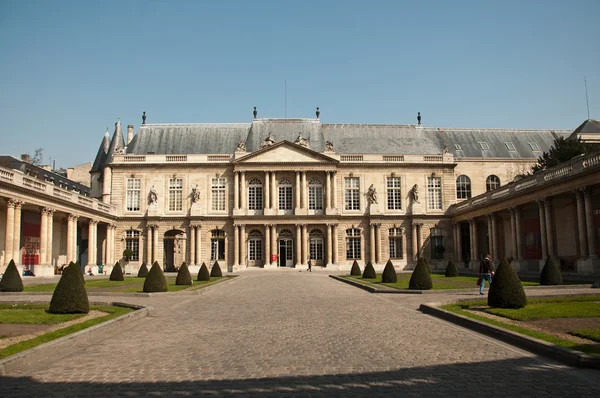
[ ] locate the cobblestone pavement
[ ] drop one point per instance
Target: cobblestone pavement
(296, 334)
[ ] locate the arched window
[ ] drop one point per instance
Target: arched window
(395, 241)
(353, 244)
(255, 249)
(217, 245)
(492, 182)
(255, 194)
(316, 244)
(463, 187)
(285, 194)
(132, 242)
(315, 194)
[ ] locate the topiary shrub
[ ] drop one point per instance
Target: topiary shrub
(550, 274)
(183, 275)
(155, 281)
(117, 273)
(506, 290)
(11, 280)
(369, 272)
(77, 267)
(69, 296)
(420, 278)
(143, 271)
(451, 270)
(389, 273)
(215, 272)
(355, 271)
(203, 274)
(427, 264)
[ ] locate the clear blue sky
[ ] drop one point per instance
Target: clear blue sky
(68, 69)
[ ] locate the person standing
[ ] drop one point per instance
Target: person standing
(486, 272)
(309, 266)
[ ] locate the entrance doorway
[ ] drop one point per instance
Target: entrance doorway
(174, 249)
(286, 252)
(217, 245)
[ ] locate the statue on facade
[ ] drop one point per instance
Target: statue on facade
(301, 141)
(241, 147)
(372, 194)
(268, 141)
(153, 196)
(329, 146)
(415, 193)
(195, 194)
(445, 150)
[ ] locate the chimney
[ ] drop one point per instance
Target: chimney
(129, 133)
(25, 157)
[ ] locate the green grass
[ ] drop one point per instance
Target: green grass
(440, 282)
(545, 311)
(34, 316)
(112, 312)
(590, 334)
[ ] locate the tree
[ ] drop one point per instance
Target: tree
(155, 281)
(355, 271)
(38, 156)
(506, 290)
(11, 280)
(183, 275)
(451, 270)
(562, 150)
(203, 274)
(369, 272)
(70, 296)
(389, 273)
(215, 272)
(550, 274)
(420, 278)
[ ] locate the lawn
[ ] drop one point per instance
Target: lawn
(544, 311)
(590, 334)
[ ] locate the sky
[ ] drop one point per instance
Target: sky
(70, 69)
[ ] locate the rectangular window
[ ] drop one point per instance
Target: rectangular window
(394, 193)
(457, 147)
(218, 194)
(255, 249)
(255, 198)
(534, 146)
(133, 194)
(434, 193)
(315, 197)
(175, 194)
(510, 146)
(352, 248)
(132, 242)
(484, 146)
(352, 193)
(395, 247)
(437, 247)
(285, 197)
(316, 248)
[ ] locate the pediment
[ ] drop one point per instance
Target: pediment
(286, 152)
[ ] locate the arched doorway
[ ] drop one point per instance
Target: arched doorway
(286, 248)
(175, 247)
(316, 247)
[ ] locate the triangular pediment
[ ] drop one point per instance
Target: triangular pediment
(285, 152)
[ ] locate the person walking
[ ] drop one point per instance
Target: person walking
(486, 272)
(309, 266)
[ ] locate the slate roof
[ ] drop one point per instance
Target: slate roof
(590, 126)
(102, 154)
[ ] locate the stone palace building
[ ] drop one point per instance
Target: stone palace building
(275, 192)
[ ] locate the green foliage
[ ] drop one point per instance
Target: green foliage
(369, 272)
(127, 254)
(183, 276)
(77, 268)
(451, 270)
(420, 278)
(117, 273)
(355, 271)
(203, 274)
(506, 290)
(215, 272)
(550, 274)
(155, 281)
(143, 271)
(389, 273)
(70, 296)
(562, 150)
(427, 264)
(11, 280)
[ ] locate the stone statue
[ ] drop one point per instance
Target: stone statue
(372, 194)
(144, 118)
(241, 147)
(268, 141)
(254, 112)
(329, 146)
(445, 150)
(301, 141)
(153, 196)
(415, 193)
(195, 194)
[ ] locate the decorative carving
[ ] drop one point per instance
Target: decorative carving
(267, 141)
(301, 141)
(241, 147)
(444, 150)
(328, 147)
(415, 193)
(153, 196)
(372, 194)
(195, 194)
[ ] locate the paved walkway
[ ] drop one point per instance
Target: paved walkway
(297, 334)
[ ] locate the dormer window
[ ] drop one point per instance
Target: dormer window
(510, 146)
(484, 146)
(457, 147)
(534, 146)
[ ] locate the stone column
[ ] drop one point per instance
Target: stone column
(542, 218)
(10, 229)
(420, 239)
(198, 244)
(490, 234)
(111, 244)
(274, 243)
(17, 233)
(155, 244)
(50, 214)
(298, 191)
(69, 238)
(589, 219)
(91, 225)
(267, 190)
(304, 191)
(334, 194)
(518, 223)
(459, 254)
(404, 245)
(335, 244)
(475, 243)
(267, 245)
(513, 232)
(362, 247)
(329, 244)
(236, 190)
(496, 252)
(378, 243)
(243, 247)
(304, 244)
(415, 247)
(106, 185)
(328, 202)
(193, 245)
(236, 245)
(298, 246)
(581, 224)
(149, 241)
(549, 228)
(244, 193)
(372, 244)
(43, 235)
(274, 198)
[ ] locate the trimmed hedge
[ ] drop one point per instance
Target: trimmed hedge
(369, 272)
(70, 296)
(117, 273)
(11, 280)
(506, 290)
(551, 273)
(389, 273)
(203, 274)
(143, 271)
(451, 270)
(77, 267)
(215, 272)
(420, 278)
(155, 281)
(355, 271)
(428, 264)
(183, 276)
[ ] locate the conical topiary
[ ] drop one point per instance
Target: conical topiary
(183, 275)
(203, 274)
(11, 280)
(428, 264)
(355, 271)
(77, 268)
(506, 290)
(420, 278)
(389, 273)
(143, 271)
(451, 270)
(215, 272)
(117, 273)
(369, 272)
(550, 274)
(69, 296)
(155, 281)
